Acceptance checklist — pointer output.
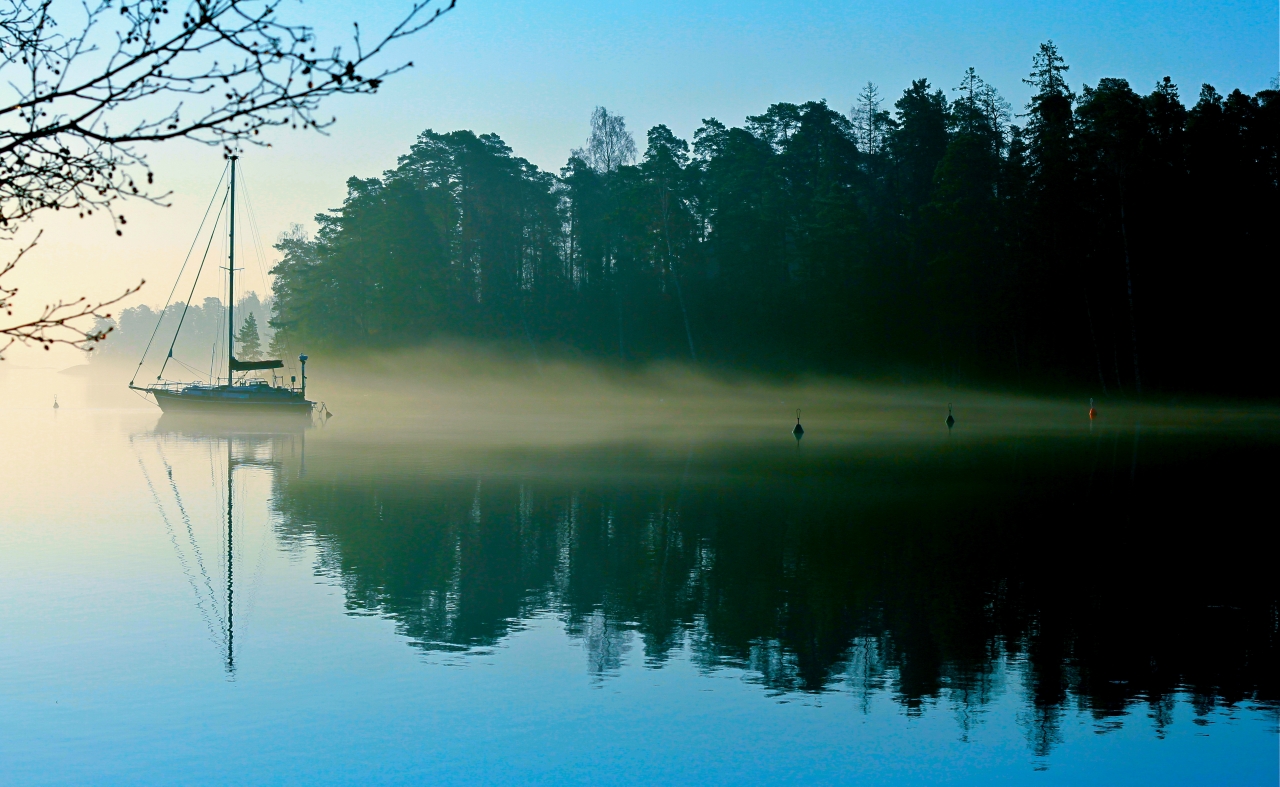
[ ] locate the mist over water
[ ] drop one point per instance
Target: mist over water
(478, 395)
(494, 569)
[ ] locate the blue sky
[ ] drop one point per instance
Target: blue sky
(533, 72)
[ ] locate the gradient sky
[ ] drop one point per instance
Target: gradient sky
(533, 72)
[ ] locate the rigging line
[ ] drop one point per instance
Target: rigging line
(191, 536)
(254, 242)
(260, 256)
(187, 305)
(255, 234)
(218, 333)
(228, 313)
(187, 366)
(173, 539)
(185, 260)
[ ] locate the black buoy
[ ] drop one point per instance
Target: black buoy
(951, 419)
(799, 430)
(55, 401)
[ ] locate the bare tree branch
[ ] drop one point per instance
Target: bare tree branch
(90, 81)
(57, 323)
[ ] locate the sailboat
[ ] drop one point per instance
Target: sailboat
(237, 393)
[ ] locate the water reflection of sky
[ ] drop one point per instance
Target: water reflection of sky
(621, 615)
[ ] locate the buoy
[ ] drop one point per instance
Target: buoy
(799, 430)
(1093, 412)
(951, 420)
(55, 401)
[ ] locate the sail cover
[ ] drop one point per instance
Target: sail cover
(253, 366)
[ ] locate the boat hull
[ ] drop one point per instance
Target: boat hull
(247, 404)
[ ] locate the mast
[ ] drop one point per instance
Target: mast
(231, 630)
(231, 278)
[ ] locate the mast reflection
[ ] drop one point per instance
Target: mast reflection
(260, 445)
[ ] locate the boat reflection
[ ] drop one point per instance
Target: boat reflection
(207, 550)
(1066, 571)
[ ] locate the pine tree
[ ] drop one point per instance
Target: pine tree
(1054, 255)
(870, 122)
(918, 141)
(247, 338)
(278, 347)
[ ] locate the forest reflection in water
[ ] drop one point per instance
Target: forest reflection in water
(1098, 573)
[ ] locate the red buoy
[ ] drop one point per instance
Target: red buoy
(1093, 412)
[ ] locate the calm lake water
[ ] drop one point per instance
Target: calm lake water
(185, 604)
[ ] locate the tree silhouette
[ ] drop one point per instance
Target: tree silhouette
(962, 244)
(250, 344)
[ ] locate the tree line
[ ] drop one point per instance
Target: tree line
(199, 348)
(1103, 239)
